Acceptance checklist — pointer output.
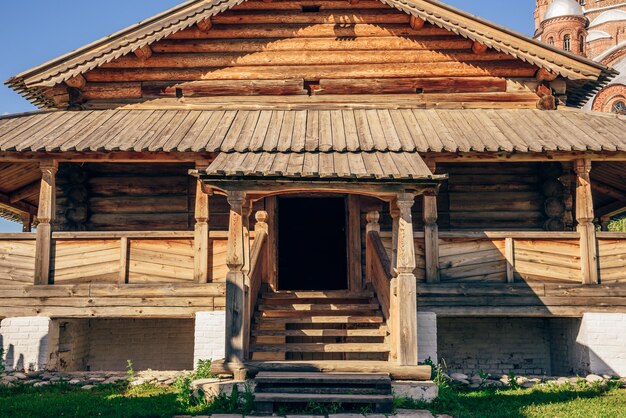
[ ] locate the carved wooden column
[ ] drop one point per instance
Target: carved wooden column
(46, 217)
(431, 236)
(201, 236)
(406, 286)
(585, 217)
(235, 280)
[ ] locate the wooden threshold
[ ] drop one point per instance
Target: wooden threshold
(252, 368)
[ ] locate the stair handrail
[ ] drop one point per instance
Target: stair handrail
(378, 265)
(258, 262)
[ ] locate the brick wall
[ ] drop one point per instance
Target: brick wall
(495, 345)
(604, 335)
(210, 334)
(427, 336)
(567, 356)
(71, 337)
(25, 342)
(159, 344)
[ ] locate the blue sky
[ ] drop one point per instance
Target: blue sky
(35, 31)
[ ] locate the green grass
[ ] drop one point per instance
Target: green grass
(154, 402)
(539, 402)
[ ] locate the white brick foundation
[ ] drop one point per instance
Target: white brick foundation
(210, 336)
(604, 336)
(427, 336)
(25, 342)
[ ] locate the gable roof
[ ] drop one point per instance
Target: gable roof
(589, 75)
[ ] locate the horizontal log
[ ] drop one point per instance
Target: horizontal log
(517, 311)
(329, 366)
(101, 312)
(93, 91)
(275, 58)
(307, 31)
(223, 88)
(412, 85)
(317, 72)
(17, 236)
(384, 16)
(312, 44)
(94, 235)
(297, 5)
(115, 291)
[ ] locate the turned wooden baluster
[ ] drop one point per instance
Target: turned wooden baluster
(201, 235)
(431, 237)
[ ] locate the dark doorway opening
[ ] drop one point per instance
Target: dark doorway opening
(312, 252)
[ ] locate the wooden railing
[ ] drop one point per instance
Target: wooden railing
(612, 256)
(17, 258)
(378, 268)
(112, 257)
(509, 256)
(258, 263)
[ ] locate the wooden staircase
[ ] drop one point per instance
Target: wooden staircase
(319, 325)
(349, 390)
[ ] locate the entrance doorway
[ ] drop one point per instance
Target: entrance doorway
(312, 243)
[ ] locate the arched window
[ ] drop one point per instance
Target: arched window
(581, 44)
(551, 41)
(567, 43)
(619, 107)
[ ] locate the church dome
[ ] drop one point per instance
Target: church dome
(560, 8)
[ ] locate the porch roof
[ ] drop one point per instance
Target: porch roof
(299, 131)
(378, 166)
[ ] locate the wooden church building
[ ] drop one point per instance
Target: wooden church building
(333, 185)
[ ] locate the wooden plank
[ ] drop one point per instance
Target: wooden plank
(378, 332)
(322, 348)
(337, 319)
(328, 366)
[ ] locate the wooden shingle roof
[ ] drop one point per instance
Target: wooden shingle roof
(589, 75)
(303, 165)
(350, 130)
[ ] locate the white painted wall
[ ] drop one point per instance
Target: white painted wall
(25, 342)
(210, 336)
(604, 336)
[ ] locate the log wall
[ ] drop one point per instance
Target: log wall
(299, 48)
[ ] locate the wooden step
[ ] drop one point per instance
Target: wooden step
(327, 294)
(375, 332)
(328, 390)
(312, 307)
(321, 348)
(265, 401)
(320, 377)
(323, 320)
(330, 366)
(300, 314)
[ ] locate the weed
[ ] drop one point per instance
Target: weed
(203, 370)
(513, 384)
(130, 373)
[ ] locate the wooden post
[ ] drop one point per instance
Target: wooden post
(372, 226)
(235, 280)
(355, 281)
(46, 217)
(201, 236)
(431, 237)
(27, 222)
(246, 211)
(261, 226)
(395, 221)
(584, 218)
(272, 247)
(123, 273)
(509, 254)
(406, 288)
